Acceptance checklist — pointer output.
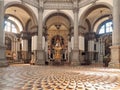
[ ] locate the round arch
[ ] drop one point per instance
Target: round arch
(103, 23)
(25, 7)
(17, 19)
(18, 30)
(91, 8)
(60, 12)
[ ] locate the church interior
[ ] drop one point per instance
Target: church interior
(59, 45)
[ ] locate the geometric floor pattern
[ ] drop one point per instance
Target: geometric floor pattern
(31, 77)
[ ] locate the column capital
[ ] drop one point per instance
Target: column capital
(75, 10)
(75, 6)
(25, 35)
(41, 4)
(34, 33)
(41, 9)
(90, 35)
(81, 34)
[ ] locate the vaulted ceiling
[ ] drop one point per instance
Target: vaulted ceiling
(24, 16)
(18, 13)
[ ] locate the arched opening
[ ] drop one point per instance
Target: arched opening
(19, 23)
(105, 33)
(57, 29)
(95, 45)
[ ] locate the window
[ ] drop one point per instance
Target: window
(13, 25)
(14, 30)
(106, 27)
(10, 27)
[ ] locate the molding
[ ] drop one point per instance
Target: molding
(58, 5)
(33, 3)
(115, 47)
(84, 3)
(67, 6)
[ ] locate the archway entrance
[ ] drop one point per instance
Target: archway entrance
(19, 22)
(57, 50)
(58, 29)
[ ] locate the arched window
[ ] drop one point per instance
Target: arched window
(106, 27)
(10, 27)
(13, 25)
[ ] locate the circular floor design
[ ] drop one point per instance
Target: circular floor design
(27, 77)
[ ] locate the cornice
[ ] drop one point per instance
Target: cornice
(83, 3)
(33, 3)
(59, 5)
(67, 6)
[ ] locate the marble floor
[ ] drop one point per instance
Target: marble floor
(32, 77)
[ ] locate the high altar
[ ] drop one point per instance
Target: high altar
(57, 55)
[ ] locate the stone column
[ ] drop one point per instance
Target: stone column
(3, 61)
(25, 50)
(75, 51)
(81, 47)
(46, 50)
(46, 44)
(91, 50)
(115, 48)
(99, 49)
(16, 50)
(34, 48)
(69, 49)
(90, 41)
(40, 52)
(76, 39)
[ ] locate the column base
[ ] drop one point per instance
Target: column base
(115, 57)
(3, 61)
(40, 57)
(114, 65)
(82, 56)
(75, 57)
(25, 57)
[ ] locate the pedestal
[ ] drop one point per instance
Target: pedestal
(115, 57)
(40, 58)
(75, 57)
(3, 61)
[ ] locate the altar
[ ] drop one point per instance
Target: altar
(57, 51)
(58, 55)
